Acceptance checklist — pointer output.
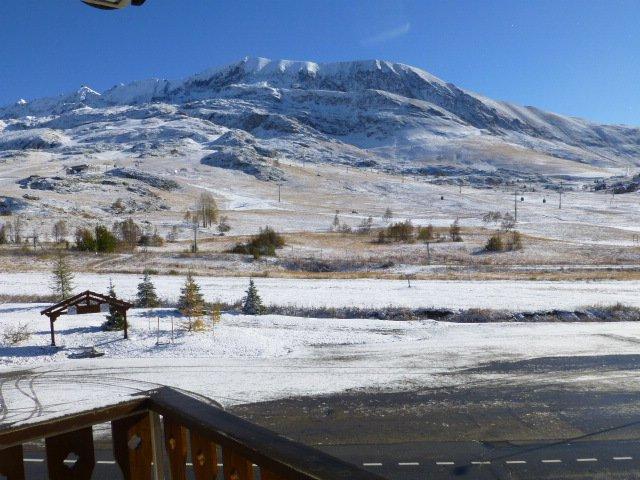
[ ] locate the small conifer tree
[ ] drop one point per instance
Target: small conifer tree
(216, 315)
(252, 302)
(114, 319)
(191, 303)
(62, 278)
(147, 296)
(426, 233)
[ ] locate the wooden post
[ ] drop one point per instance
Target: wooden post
(53, 335)
(204, 457)
(156, 446)
(11, 463)
(126, 333)
(59, 447)
(175, 441)
(235, 466)
(133, 446)
(267, 475)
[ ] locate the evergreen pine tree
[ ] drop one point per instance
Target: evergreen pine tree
(191, 303)
(114, 319)
(147, 297)
(111, 291)
(62, 278)
(216, 314)
(252, 302)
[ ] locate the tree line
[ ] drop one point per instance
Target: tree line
(191, 303)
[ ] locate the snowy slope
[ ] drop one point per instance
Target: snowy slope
(247, 359)
(348, 112)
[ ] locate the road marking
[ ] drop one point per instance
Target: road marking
(445, 463)
(35, 460)
(515, 462)
(374, 464)
(552, 460)
(622, 458)
(106, 462)
(586, 459)
(408, 464)
(480, 463)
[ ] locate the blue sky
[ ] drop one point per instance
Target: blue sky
(574, 57)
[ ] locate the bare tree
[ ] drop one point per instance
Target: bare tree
(60, 231)
(17, 229)
(455, 231)
(223, 226)
(508, 222)
(194, 227)
(335, 225)
(8, 228)
(172, 236)
(129, 233)
(207, 209)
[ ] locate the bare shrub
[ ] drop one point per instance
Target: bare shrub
(27, 298)
(481, 315)
(492, 217)
(508, 222)
(494, 244)
(14, 334)
(515, 241)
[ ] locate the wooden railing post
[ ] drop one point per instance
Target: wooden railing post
(267, 475)
(204, 457)
(11, 463)
(156, 445)
(235, 466)
(133, 447)
(77, 444)
(138, 443)
(175, 442)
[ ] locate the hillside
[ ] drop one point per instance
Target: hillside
(358, 113)
(354, 136)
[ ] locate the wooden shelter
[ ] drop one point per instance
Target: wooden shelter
(86, 302)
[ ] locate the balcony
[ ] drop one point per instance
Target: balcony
(163, 434)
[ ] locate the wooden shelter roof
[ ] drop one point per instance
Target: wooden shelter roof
(85, 298)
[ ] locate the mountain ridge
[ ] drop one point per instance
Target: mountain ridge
(369, 110)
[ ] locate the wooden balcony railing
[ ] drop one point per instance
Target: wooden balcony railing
(168, 428)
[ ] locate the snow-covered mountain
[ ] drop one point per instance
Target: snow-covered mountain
(247, 114)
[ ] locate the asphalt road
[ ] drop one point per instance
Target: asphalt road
(469, 460)
(545, 418)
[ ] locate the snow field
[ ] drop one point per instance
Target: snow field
(250, 358)
(498, 294)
